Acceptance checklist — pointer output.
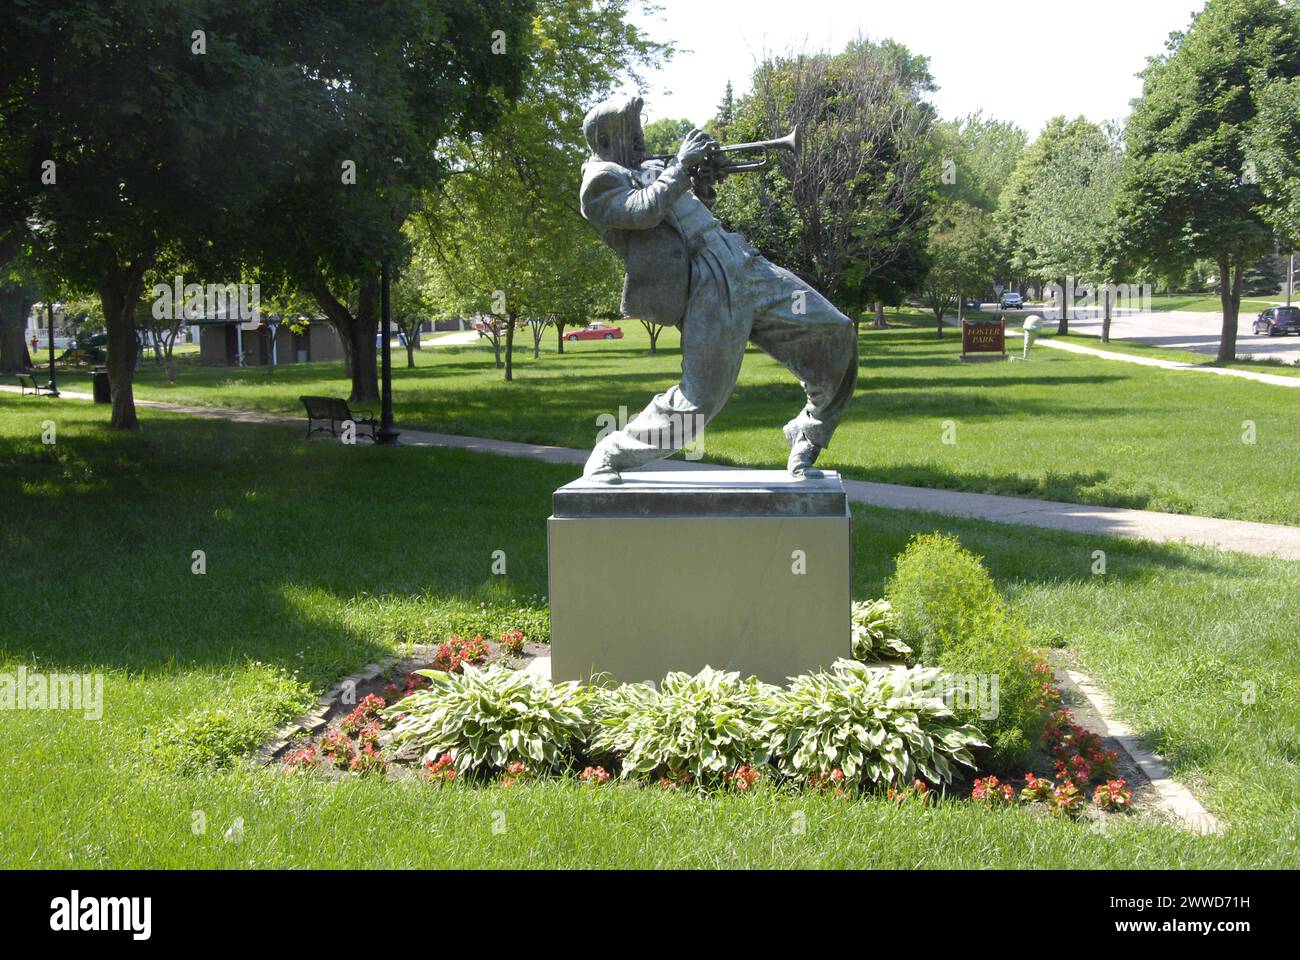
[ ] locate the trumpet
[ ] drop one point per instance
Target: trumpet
(791, 143)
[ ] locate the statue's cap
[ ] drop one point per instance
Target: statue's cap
(610, 117)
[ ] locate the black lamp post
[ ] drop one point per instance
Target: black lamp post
(388, 433)
(49, 313)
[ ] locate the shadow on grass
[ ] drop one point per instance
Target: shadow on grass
(313, 552)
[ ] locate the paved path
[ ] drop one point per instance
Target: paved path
(1276, 379)
(1261, 539)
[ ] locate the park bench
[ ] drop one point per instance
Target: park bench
(331, 413)
(30, 384)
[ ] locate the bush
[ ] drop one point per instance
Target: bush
(940, 594)
(488, 718)
(879, 726)
(875, 632)
(946, 605)
(699, 727)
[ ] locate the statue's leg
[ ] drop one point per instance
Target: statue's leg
(804, 332)
(713, 344)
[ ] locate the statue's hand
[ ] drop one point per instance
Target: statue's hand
(695, 148)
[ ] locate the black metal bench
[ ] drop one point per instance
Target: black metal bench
(331, 413)
(30, 385)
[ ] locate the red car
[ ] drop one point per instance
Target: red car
(596, 331)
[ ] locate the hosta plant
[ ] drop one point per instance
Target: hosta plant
(692, 729)
(875, 633)
(488, 718)
(878, 726)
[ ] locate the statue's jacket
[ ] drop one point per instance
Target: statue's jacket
(666, 237)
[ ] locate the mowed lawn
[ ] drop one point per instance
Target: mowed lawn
(1062, 426)
(321, 557)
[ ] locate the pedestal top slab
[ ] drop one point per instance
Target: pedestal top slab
(703, 492)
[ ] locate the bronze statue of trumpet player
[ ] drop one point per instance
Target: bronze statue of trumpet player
(684, 270)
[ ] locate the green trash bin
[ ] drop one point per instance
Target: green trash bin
(99, 385)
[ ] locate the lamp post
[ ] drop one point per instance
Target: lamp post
(53, 390)
(388, 433)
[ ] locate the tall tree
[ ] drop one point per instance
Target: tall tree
(961, 253)
(1273, 152)
(1057, 210)
(1186, 190)
(506, 231)
(851, 215)
(222, 132)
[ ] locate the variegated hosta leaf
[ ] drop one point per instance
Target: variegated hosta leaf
(705, 725)
(490, 717)
(873, 723)
(875, 634)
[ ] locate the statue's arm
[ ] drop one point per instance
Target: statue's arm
(609, 201)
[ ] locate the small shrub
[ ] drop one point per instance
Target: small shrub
(878, 726)
(442, 770)
(991, 792)
(457, 652)
(489, 718)
(1113, 795)
(516, 772)
(1037, 789)
(875, 633)
(338, 748)
(744, 778)
(368, 760)
(512, 641)
(1067, 800)
(940, 594)
(702, 726)
(301, 759)
(946, 606)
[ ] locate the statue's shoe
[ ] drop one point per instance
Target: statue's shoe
(802, 457)
(607, 475)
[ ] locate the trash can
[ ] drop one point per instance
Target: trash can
(99, 385)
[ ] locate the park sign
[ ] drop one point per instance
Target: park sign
(984, 339)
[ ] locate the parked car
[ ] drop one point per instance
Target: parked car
(595, 331)
(1010, 300)
(1278, 321)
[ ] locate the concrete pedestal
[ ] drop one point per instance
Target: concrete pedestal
(744, 570)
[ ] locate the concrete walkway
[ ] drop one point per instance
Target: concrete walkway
(1240, 536)
(1277, 380)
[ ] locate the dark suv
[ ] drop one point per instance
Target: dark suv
(1278, 321)
(1011, 301)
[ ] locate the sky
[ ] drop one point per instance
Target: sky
(1020, 60)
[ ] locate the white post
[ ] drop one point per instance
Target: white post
(239, 345)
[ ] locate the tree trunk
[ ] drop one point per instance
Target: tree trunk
(1105, 314)
(357, 333)
(510, 348)
(1230, 283)
(559, 336)
(1063, 328)
(15, 304)
(119, 291)
(961, 308)
(880, 315)
(410, 353)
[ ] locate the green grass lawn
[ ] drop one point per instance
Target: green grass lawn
(1208, 303)
(1277, 367)
(1062, 427)
(321, 557)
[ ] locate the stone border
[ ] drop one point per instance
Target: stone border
(318, 717)
(1175, 797)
